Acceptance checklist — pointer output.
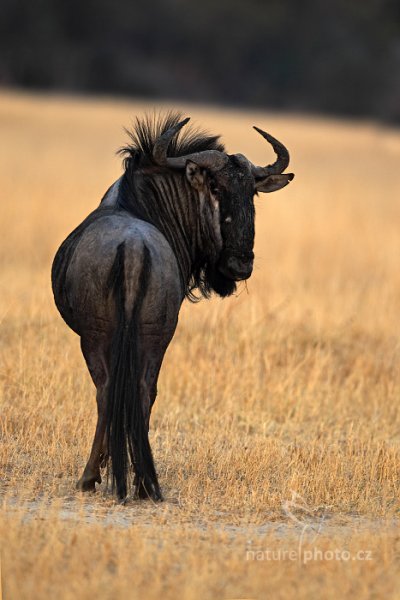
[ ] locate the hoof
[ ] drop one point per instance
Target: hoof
(88, 484)
(142, 494)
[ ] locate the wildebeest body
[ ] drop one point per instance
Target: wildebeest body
(168, 226)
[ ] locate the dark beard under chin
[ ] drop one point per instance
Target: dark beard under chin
(219, 283)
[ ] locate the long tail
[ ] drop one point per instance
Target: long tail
(128, 441)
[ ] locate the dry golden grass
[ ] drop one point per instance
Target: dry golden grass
(293, 385)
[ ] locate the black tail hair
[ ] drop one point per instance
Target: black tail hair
(128, 441)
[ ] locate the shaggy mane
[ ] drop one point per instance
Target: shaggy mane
(146, 130)
(139, 197)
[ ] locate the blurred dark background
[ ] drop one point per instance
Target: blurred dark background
(327, 56)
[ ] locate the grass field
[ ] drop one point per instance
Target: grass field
(291, 387)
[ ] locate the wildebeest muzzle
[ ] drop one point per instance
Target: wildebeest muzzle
(236, 266)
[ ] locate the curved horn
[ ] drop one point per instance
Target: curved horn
(211, 159)
(281, 162)
(161, 145)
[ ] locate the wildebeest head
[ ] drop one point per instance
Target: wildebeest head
(226, 185)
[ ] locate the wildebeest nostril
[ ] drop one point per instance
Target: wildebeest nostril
(239, 264)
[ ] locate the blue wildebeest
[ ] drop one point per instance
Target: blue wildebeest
(179, 220)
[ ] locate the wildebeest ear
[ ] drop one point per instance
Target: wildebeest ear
(195, 175)
(273, 182)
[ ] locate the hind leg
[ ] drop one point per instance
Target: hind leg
(96, 362)
(148, 392)
(91, 474)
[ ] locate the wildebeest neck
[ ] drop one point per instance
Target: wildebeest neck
(167, 201)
